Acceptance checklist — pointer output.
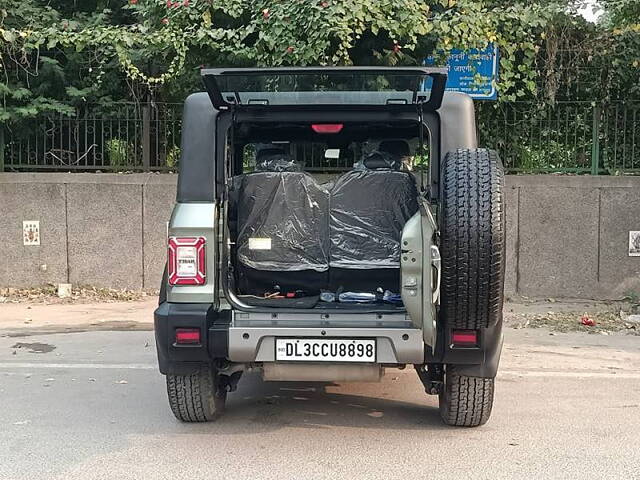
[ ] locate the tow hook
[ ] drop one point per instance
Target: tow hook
(432, 377)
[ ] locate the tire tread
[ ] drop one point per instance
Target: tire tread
(467, 401)
(473, 245)
(192, 397)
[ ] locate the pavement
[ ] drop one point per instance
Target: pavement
(84, 400)
(44, 317)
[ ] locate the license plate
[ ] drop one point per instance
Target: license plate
(325, 350)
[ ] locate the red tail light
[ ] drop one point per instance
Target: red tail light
(464, 338)
(327, 127)
(186, 336)
(186, 265)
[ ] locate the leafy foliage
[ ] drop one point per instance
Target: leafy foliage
(56, 55)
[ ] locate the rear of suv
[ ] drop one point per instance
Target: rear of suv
(330, 224)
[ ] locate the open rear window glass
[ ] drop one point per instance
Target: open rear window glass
(334, 86)
(321, 82)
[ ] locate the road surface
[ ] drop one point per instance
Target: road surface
(92, 405)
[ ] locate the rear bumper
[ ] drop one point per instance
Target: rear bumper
(244, 342)
(393, 345)
(184, 359)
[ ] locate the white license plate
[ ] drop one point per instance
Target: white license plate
(325, 350)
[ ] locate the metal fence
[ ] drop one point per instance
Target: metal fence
(127, 136)
(570, 137)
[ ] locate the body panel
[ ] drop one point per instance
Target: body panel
(191, 220)
(416, 275)
(197, 150)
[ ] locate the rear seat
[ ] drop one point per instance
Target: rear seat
(281, 228)
(368, 209)
(295, 234)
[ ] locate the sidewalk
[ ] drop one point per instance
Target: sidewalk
(29, 317)
(42, 317)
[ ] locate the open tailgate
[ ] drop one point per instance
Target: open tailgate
(333, 87)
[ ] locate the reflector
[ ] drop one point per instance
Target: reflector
(464, 337)
(187, 335)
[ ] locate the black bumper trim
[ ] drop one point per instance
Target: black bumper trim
(473, 362)
(184, 359)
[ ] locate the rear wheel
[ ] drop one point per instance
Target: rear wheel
(195, 397)
(465, 401)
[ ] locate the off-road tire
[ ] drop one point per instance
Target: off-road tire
(465, 401)
(193, 398)
(472, 239)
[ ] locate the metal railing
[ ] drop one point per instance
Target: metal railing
(127, 136)
(569, 137)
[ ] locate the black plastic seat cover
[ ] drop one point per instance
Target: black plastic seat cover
(368, 210)
(281, 221)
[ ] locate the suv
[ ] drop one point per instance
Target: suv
(331, 223)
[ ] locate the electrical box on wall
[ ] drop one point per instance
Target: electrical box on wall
(31, 232)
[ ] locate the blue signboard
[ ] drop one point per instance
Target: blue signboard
(473, 72)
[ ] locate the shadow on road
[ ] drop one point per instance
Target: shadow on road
(260, 406)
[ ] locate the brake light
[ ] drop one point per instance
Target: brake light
(187, 336)
(327, 127)
(186, 265)
(464, 338)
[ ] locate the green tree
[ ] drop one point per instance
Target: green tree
(621, 13)
(56, 54)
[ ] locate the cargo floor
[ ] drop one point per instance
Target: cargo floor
(314, 303)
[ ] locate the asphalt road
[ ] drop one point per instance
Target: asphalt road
(92, 406)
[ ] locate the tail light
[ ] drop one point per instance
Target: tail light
(187, 261)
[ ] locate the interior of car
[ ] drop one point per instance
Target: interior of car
(316, 212)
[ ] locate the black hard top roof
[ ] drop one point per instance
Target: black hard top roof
(331, 87)
(204, 135)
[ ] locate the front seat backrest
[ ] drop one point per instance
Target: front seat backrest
(368, 210)
(281, 226)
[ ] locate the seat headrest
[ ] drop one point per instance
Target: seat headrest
(270, 151)
(377, 160)
(399, 148)
(271, 158)
(277, 163)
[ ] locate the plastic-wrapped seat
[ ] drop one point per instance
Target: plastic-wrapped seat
(368, 210)
(281, 222)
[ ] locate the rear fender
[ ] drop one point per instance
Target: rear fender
(195, 220)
